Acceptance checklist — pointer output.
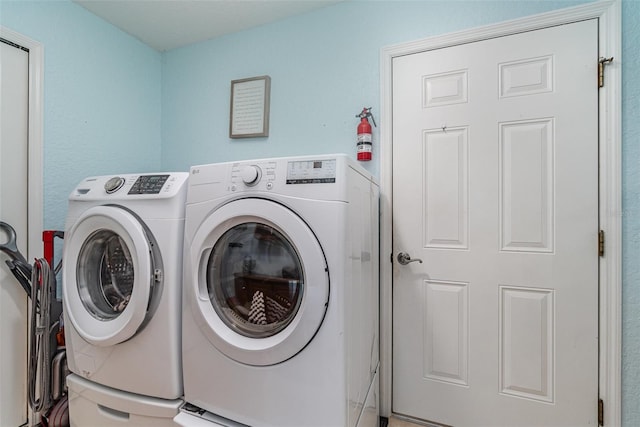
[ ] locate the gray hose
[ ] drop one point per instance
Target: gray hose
(42, 281)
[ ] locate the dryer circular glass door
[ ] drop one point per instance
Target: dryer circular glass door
(109, 275)
(261, 284)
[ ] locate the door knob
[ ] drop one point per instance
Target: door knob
(404, 258)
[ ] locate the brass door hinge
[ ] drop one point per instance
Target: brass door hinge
(601, 243)
(601, 63)
(600, 412)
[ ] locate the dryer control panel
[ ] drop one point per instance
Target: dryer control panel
(321, 177)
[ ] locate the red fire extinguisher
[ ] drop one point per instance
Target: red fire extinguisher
(364, 134)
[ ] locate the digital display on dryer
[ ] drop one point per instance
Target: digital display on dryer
(311, 171)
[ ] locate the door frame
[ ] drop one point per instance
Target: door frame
(608, 12)
(35, 164)
(35, 221)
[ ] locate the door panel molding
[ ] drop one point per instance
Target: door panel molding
(609, 15)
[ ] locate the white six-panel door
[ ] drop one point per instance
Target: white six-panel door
(495, 184)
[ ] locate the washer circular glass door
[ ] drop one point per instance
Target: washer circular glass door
(261, 282)
(107, 275)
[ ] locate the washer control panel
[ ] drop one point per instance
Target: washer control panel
(130, 186)
(148, 184)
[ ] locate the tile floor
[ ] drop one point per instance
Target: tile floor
(395, 422)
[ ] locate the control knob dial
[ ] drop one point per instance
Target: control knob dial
(250, 175)
(113, 184)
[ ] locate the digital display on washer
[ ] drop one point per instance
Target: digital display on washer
(148, 184)
(311, 171)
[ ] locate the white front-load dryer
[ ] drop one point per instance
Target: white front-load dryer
(280, 323)
(122, 282)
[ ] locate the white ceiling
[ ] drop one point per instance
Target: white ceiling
(168, 24)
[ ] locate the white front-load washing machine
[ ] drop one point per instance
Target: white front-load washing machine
(122, 282)
(280, 323)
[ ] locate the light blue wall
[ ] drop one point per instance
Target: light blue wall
(631, 212)
(102, 92)
(324, 68)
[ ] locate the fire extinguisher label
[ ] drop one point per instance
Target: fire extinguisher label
(364, 147)
(364, 138)
(364, 152)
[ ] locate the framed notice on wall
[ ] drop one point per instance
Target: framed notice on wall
(250, 107)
